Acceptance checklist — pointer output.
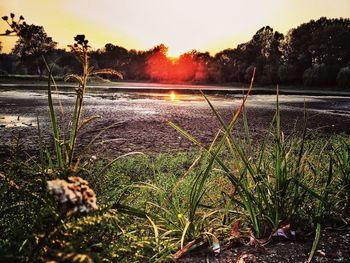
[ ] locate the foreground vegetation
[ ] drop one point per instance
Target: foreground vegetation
(155, 208)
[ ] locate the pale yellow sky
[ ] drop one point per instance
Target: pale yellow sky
(182, 25)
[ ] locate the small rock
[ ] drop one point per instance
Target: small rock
(321, 252)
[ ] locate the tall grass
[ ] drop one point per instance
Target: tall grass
(342, 157)
(269, 182)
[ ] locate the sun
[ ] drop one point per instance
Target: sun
(174, 53)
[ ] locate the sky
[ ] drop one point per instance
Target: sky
(182, 25)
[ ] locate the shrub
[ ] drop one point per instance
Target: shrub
(21, 70)
(269, 75)
(343, 77)
(248, 73)
(288, 74)
(318, 75)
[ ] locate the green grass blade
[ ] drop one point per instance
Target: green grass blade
(186, 134)
(104, 169)
(49, 159)
(98, 135)
(74, 129)
(155, 229)
(315, 243)
(213, 109)
(184, 233)
(246, 126)
(130, 210)
(54, 125)
(41, 147)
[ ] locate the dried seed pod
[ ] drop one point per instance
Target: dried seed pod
(73, 195)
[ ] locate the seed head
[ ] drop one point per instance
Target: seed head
(74, 195)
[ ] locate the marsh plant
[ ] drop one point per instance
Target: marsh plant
(65, 158)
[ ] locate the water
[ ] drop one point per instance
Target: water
(141, 117)
(16, 121)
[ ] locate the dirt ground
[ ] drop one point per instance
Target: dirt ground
(139, 122)
(333, 247)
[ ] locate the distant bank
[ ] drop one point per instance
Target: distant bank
(33, 82)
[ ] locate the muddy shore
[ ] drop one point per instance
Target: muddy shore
(139, 121)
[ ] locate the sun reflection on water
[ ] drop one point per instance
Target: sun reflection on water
(172, 96)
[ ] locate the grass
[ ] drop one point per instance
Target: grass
(152, 206)
(184, 211)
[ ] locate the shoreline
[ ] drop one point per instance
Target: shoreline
(143, 117)
(148, 87)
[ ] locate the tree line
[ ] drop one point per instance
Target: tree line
(316, 53)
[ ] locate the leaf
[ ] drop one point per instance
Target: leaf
(75, 77)
(184, 249)
(56, 133)
(108, 72)
(259, 244)
(215, 246)
(87, 121)
(285, 232)
(155, 229)
(235, 234)
(129, 210)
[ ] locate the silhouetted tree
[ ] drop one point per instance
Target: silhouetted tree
(232, 64)
(31, 44)
(343, 78)
(321, 44)
(158, 65)
(315, 53)
(64, 62)
(112, 57)
(137, 65)
(263, 52)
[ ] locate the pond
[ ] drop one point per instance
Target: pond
(137, 120)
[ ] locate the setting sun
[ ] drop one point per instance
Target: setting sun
(174, 53)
